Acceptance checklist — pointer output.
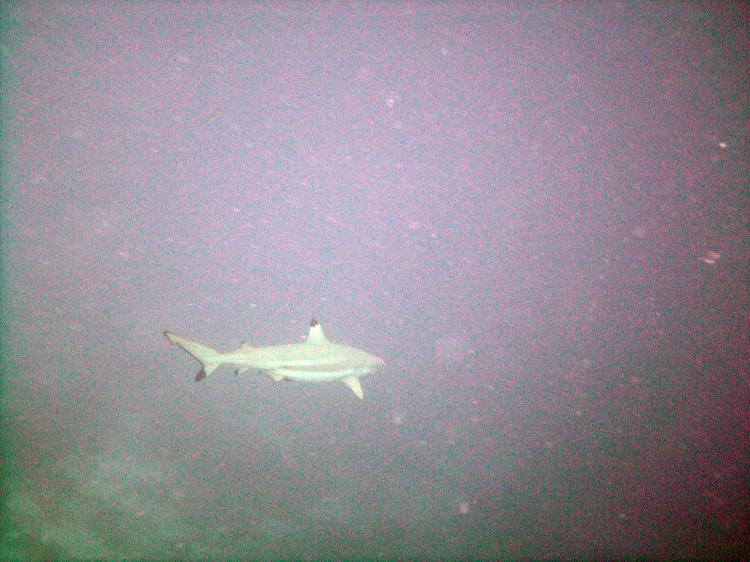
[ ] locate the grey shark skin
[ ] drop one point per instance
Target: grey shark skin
(317, 359)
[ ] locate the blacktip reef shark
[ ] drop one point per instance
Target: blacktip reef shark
(317, 359)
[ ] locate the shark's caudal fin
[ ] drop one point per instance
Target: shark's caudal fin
(208, 357)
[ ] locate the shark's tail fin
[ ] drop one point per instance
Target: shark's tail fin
(208, 357)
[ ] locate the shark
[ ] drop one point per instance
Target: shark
(317, 359)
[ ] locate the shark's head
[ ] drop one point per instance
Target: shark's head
(373, 363)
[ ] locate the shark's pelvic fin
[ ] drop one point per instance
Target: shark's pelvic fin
(353, 383)
(206, 356)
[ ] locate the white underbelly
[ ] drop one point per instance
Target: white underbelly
(311, 375)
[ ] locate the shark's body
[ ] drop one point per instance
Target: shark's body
(317, 359)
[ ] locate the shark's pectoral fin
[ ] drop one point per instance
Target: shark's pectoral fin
(275, 376)
(353, 383)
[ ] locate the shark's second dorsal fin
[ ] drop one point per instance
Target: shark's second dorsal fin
(316, 335)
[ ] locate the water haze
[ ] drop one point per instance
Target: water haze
(535, 213)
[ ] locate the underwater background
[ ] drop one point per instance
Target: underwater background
(535, 213)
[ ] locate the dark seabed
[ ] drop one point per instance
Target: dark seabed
(536, 214)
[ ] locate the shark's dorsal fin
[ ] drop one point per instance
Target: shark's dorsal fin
(316, 335)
